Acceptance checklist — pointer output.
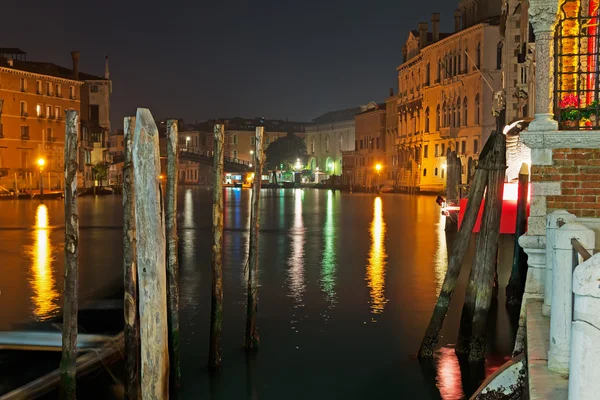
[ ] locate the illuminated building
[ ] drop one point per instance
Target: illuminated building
(32, 119)
(327, 137)
(370, 144)
(36, 95)
(446, 87)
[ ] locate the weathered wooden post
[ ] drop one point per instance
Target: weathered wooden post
(172, 255)
(472, 334)
(151, 258)
(516, 284)
(216, 312)
(132, 327)
(69, 334)
(252, 339)
(458, 251)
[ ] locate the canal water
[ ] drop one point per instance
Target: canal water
(347, 285)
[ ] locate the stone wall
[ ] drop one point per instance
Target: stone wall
(573, 179)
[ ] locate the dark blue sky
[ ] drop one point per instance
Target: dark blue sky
(197, 59)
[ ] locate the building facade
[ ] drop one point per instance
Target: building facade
(327, 137)
(94, 152)
(447, 87)
(32, 122)
(370, 169)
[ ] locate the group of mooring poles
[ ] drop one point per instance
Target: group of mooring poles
(489, 179)
(150, 262)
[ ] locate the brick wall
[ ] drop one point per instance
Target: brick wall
(578, 171)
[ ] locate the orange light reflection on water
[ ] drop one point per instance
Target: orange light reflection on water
(45, 296)
(375, 276)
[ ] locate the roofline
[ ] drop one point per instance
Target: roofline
(34, 74)
(441, 42)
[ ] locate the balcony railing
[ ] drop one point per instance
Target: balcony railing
(576, 68)
(24, 135)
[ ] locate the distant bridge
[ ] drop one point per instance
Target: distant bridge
(202, 157)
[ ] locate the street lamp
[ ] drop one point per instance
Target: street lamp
(378, 169)
(187, 142)
(41, 163)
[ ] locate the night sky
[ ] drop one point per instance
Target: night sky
(196, 59)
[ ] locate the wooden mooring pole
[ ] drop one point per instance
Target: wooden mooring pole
(516, 284)
(151, 258)
(172, 255)
(252, 340)
(132, 327)
(216, 311)
(70, 309)
(472, 334)
(458, 252)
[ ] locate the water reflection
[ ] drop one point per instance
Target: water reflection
(188, 208)
(296, 259)
(449, 376)
(377, 260)
(42, 281)
(328, 264)
(440, 259)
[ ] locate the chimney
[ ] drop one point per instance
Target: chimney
(75, 57)
(404, 53)
(422, 34)
(435, 26)
(391, 92)
(457, 22)
(106, 70)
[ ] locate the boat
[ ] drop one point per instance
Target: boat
(30, 354)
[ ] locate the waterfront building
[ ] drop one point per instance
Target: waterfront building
(95, 122)
(327, 138)
(35, 97)
(32, 124)
(447, 87)
(369, 165)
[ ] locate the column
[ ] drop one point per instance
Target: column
(562, 293)
(552, 224)
(542, 14)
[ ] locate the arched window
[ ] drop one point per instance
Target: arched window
(465, 112)
(435, 172)
(327, 143)
(312, 145)
(453, 116)
(439, 71)
(437, 118)
(418, 122)
(466, 60)
(499, 56)
(425, 172)
(477, 110)
(445, 120)
(478, 57)
(234, 139)
(455, 64)
(442, 173)
(427, 74)
(458, 58)
(458, 112)
(427, 119)
(450, 66)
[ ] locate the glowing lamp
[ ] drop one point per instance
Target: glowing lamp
(41, 162)
(378, 167)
